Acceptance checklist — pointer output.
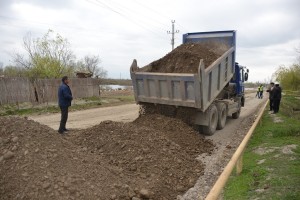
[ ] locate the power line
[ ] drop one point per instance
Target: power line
(158, 24)
(123, 15)
(155, 11)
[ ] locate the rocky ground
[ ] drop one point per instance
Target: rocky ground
(112, 160)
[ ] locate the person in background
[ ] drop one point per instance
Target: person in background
(258, 92)
(64, 102)
(270, 90)
(261, 91)
(276, 98)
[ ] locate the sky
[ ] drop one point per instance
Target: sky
(118, 31)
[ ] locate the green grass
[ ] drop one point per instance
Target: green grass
(78, 104)
(278, 177)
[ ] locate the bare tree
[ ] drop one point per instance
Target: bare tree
(1, 69)
(91, 64)
(298, 56)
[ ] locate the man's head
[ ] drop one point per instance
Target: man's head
(272, 84)
(276, 84)
(65, 80)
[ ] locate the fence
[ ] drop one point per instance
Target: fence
(236, 160)
(18, 90)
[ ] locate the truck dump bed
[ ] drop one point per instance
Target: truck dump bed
(188, 90)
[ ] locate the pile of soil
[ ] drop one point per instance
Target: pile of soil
(150, 158)
(186, 58)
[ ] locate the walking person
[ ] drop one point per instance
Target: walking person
(276, 98)
(261, 91)
(270, 90)
(258, 92)
(64, 102)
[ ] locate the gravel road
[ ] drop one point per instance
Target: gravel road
(88, 118)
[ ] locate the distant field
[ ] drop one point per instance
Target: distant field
(125, 82)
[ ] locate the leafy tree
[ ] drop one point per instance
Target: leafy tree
(289, 77)
(91, 64)
(46, 57)
(14, 71)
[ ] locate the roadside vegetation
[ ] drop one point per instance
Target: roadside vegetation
(272, 159)
(78, 104)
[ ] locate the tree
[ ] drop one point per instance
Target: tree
(1, 69)
(289, 77)
(14, 71)
(91, 64)
(46, 57)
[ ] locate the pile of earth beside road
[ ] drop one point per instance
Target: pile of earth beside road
(112, 160)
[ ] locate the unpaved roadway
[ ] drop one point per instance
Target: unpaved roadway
(88, 118)
(226, 140)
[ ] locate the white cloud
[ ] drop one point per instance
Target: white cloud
(119, 31)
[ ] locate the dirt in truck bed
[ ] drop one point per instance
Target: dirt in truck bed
(150, 158)
(186, 58)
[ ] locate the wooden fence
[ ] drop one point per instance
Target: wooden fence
(18, 90)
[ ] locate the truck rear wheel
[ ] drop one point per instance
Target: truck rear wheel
(210, 129)
(236, 114)
(222, 115)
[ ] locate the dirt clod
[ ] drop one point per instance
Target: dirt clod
(144, 193)
(8, 155)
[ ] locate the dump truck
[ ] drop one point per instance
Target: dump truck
(214, 93)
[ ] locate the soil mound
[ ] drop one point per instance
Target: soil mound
(186, 58)
(156, 151)
(37, 163)
(152, 157)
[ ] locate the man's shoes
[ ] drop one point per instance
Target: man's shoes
(60, 132)
(66, 130)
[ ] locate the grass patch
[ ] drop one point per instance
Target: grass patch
(272, 159)
(77, 104)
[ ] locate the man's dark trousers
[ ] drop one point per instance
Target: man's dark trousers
(276, 104)
(64, 117)
(271, 104)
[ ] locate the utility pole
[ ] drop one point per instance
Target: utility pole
(173, 33)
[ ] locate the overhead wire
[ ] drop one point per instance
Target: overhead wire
(97, 2)
(139, 13)
(163, 15)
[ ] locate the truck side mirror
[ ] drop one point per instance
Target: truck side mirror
(246, 76)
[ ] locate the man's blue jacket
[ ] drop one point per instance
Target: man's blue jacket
(64, 95)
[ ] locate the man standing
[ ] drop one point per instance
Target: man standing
(64, 101)
(276, 97)
(261, 91)
(258, 92)
(270, 90)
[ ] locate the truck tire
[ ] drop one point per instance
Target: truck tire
(212, 115)
(236, 114)
(222, 115)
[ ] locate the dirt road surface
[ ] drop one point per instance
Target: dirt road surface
(227, 141)
(88, 118)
